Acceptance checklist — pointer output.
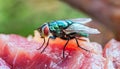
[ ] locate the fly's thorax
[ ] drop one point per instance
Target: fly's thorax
(44, 30)
(57, 27)
(53, 26)
(60, 24)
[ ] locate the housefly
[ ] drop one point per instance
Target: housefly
(66, 30)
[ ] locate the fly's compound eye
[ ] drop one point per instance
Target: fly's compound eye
(44, 30)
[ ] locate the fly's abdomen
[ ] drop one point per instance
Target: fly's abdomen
(83, 34)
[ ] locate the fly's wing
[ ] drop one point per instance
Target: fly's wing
(75, 27)
(81, 20)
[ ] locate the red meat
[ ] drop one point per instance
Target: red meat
(21, 53)
(112, 53)
(3, 64)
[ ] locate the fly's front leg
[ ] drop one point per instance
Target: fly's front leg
(42, 44)
(50, 37)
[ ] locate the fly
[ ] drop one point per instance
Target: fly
(66, 30)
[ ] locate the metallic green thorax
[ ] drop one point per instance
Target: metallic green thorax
(57, 26)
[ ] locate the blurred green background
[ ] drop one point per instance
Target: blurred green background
(24, 16)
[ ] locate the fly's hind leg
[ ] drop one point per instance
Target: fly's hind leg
(80, 46)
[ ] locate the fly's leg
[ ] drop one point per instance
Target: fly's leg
(51, 37)
(80, 46)
(46, 45)
(65, 47)
(81, 39)
(42, 45)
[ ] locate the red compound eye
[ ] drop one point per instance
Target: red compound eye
(46, 31)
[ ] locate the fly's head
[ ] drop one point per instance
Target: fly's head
(44, 30)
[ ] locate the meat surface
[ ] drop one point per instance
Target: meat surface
(21, 53)
(3, 64)
(112, 53)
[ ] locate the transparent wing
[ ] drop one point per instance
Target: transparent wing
(81, 20)
(75, 27)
